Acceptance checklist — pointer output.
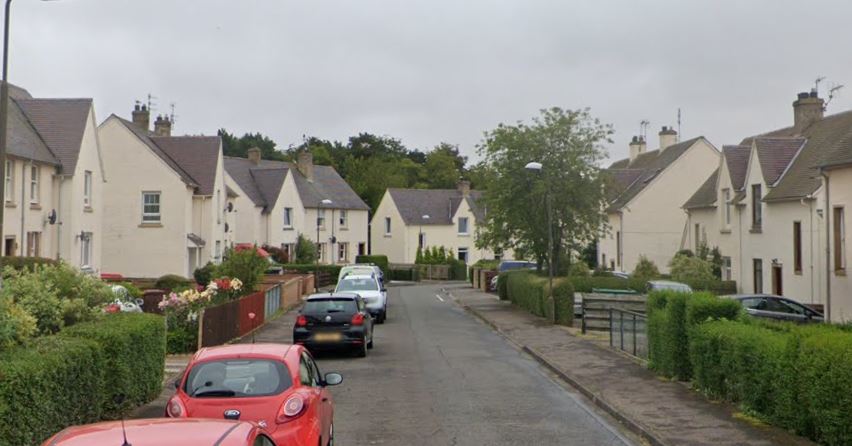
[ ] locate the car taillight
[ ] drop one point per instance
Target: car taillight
(358, 319)
(301, 321)
(175, 408)
(291, 409)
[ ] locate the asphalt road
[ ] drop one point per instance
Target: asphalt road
(437, 376)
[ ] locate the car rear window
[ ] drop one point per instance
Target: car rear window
(353, 284)
(330, 306)
(238, 378)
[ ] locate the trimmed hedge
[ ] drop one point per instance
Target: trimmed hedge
(503, 285)
(458, 270)
(334, 270)
(380, 261)
(529, 291)
(171, 282)
(22, 263)
(671, 315)
(586, 284)
(73, 377)
(408, 275)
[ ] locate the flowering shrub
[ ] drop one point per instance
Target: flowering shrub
(182, 310)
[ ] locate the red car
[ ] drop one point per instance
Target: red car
(277, 386)
(164, 432)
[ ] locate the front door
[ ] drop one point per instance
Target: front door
(777, 285)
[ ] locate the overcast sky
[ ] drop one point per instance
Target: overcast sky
(436, 70)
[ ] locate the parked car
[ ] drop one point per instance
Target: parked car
(277, 386)
(657, 285)
(509, 265)
(371, 289)
(357, 269)
(334, 321)
(776, 307)
(165, 432)
(620, 274)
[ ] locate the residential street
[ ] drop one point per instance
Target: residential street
(437, 376)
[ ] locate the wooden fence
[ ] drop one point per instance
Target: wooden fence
(596, 308)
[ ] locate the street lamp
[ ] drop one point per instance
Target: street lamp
(538, 168)
(420, 237)
(322, 203)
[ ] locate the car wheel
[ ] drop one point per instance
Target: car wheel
(362, 350)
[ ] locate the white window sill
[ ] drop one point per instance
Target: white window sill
(464, 234)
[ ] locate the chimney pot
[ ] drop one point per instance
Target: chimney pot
(305, 164)
(163, 126)
(142, 117)
(254, 155)
(464, 187)
(637, 147)
(668, 137)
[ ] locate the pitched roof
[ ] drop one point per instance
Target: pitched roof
(61, 124)
(618, 180)
(24, 141)
(262, 183)
(825, 138)
(705, 196)
(145, 137)
(840, 154)
(651, 164)
(775, 155)
(439, 204)
(198, 156)
(736, 158)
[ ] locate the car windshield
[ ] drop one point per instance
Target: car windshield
(237, 378)
(353, 284)
(330, 306)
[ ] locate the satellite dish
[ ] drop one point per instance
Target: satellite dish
(51, 217)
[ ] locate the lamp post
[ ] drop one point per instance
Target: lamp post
(538, 168)
(322, 203)
(420, 237)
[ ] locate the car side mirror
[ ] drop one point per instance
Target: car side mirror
(333, 379)
(177, 383)
(384, 290)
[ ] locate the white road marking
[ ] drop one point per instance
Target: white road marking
(439, 298)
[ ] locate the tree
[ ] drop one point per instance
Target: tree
(306, 251)
(443, 168)
(645, 270)
(696, 272)
(569, 144)
(233, 146)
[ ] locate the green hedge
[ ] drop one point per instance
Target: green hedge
(586, 284)
(171, 282)
(529, 291)
(671, 315)
(134, 346)
(503, 285)
(380, 261)
(334, 270)
(408, 275)
(458, 270)
(73, 377)
(22, 263)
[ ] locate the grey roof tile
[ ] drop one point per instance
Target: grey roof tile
(61, 124)
(775, 155)
(145, 137)
(439, 204)
(705, 196)
(736, 158)
(198, 156)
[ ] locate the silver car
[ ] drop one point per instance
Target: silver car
(371, 290)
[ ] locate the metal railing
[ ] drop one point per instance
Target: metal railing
(628, 332)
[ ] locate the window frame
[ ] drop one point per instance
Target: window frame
(35, 184)
(343, 251)
(466, 226)
(726, 217)
(288, 218)
(838, 216)
(86, 250)
(34, 244)
(343, 219)
(87, 189)
(158, 214)
(756, 207)
(9, 191)
(321, 218)
(388, 226)
(466, 254)
(797, 247)
(757, 275)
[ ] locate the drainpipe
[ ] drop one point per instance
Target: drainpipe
(740, 237)
(827, 217)
(810, 199)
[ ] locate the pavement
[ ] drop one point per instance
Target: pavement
(661, 412)
(437, 376)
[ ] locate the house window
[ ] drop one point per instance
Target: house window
(726, 268)
(463, 254)
(9, 246)
(321, 252)
(218, 253)
(387, 226)
(86, 250)
(343, 252)
(839, 240)
(34, 184)
(726, 196)
(150, 207)
(463, 226)
(756, 207)
(10, 181)
(87, 189)
(344, 218)
(758, 275)
(34, 244)
(797, 247)
(288, 217)
(219, 209)
(321, 218)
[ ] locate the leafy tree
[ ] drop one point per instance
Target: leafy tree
(579, 269)
(234, 146)
(246, 265)
(418, 258)
(306, 251)
(443, 167)
(569, 144)
(645, 270)
(694, 271)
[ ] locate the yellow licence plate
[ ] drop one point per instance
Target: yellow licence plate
(328, 337)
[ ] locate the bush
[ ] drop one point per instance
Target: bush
(824, 361)
(458, 270)
(26, 263)
(278, 255)
(51, 384)
(205, 274)
(503, 285)
(16, 325)
(588, 284)
(306, 251)
(579, 269)
(380, 261)
(563, 292)
(487, 264)
(246, 265)
(408, 275)
(530, 292)
(333, 270)
(134, 349)
(693, 271)
(645, 270)
(172, 282)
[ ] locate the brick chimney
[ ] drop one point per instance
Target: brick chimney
(668, 137)
(637, 147)
(254, 155)
(305, 164)
(142, 117)
(464, 187)
(163, 126)
(807, 109)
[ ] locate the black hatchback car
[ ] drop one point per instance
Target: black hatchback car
(334, 321)
(776, 307)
